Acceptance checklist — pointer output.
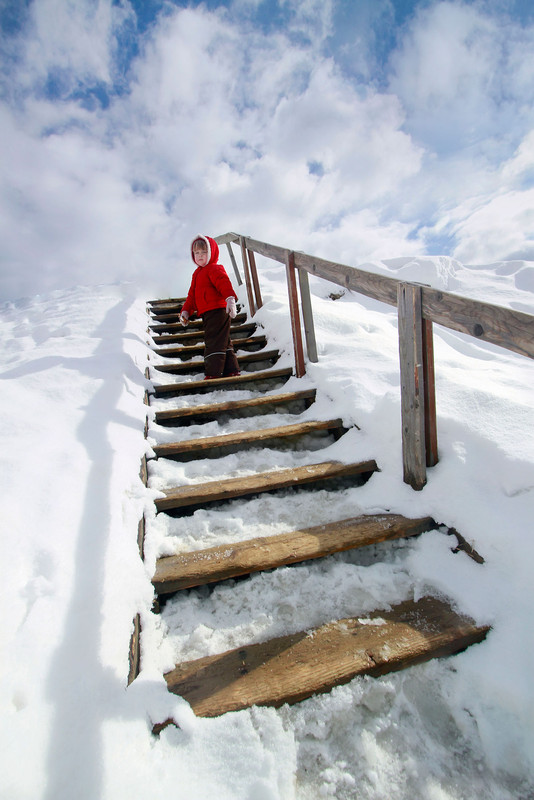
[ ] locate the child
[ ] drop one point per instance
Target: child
(212, 296)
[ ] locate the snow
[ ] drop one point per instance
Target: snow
(72, 404)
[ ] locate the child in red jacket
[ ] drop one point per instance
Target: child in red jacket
(212, 296)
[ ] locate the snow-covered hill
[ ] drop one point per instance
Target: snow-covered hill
(71, 397)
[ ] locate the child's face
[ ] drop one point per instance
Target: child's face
(200, 256)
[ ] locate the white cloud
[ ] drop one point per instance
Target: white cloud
(227, 128)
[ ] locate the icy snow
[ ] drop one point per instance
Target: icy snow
(72, 388)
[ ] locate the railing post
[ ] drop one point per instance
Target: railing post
(248, 282)
(307, 316)
(255, 280)
(431, 432)
(412, 377)
(234, 264)
(300, 367)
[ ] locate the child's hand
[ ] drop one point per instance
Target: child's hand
(231, 308)
(184, 318)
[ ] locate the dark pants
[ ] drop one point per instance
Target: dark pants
(219, 356)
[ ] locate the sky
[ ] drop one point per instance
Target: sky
(356, 131)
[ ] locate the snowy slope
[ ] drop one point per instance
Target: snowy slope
(72, 386)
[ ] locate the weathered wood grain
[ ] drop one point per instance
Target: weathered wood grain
(202, 447)
(412, 385)
(236, 332)
(199, 567)
(198, 366)
(230, 488)
(254, 404)
(187, 351)
(195, 387)
(194, 325)
(290, 668)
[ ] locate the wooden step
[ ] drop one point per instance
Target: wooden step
(164, 309)
(247, 380)
(257, 405)
(208, 446)
(187, 351)
(185, 570)
(165, 301)
(192, 337)
(290, 668)
(200, 494)
(198, 366)
(171, 326)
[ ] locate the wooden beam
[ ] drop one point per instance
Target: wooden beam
(300, 366)
(290, 668)
(195, 387)
(186, 351)
(255, 279)
(254, 404)
(505, 327)
(198, 366)
(431, 425)
(198, 336)
(307, 316)
(412, 385)
(203, 447)
(230, 488)
(234, 264)
(199, 567)
(248, 281)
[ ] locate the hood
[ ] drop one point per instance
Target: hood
(213, 248)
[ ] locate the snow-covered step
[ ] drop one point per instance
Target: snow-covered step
(198, 366)
(250, 406)
(290, 668)
(199, 567)
(249, 380)
(164, 324)
(210, 446)
(186, 351)
(162, 307)
(192, 337)
(199, 495)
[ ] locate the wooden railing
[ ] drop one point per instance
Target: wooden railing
(418, 307)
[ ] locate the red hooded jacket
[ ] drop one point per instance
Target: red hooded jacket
(210, 285)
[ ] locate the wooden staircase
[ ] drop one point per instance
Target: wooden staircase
(288, 668)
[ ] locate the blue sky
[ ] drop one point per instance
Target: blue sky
(356, 130)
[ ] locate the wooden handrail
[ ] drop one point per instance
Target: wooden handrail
(421, 307)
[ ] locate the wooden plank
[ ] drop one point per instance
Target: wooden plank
(300, 366)
(431, 423)
(201, 448)
(505, 327)
(166, 300)
(192, 350)
(412, 385)
(234, 264)
(229, 488)
(238, 331)
(194, 325)
(200, 567)
(195, 387)
(257, 404)
(307, 316)
(226, 238)
(290, 668)
(267, 250)
(248, 281)
(198, 366)
(255, 279)
(164, 310)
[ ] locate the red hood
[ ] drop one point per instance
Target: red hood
(213, 249)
